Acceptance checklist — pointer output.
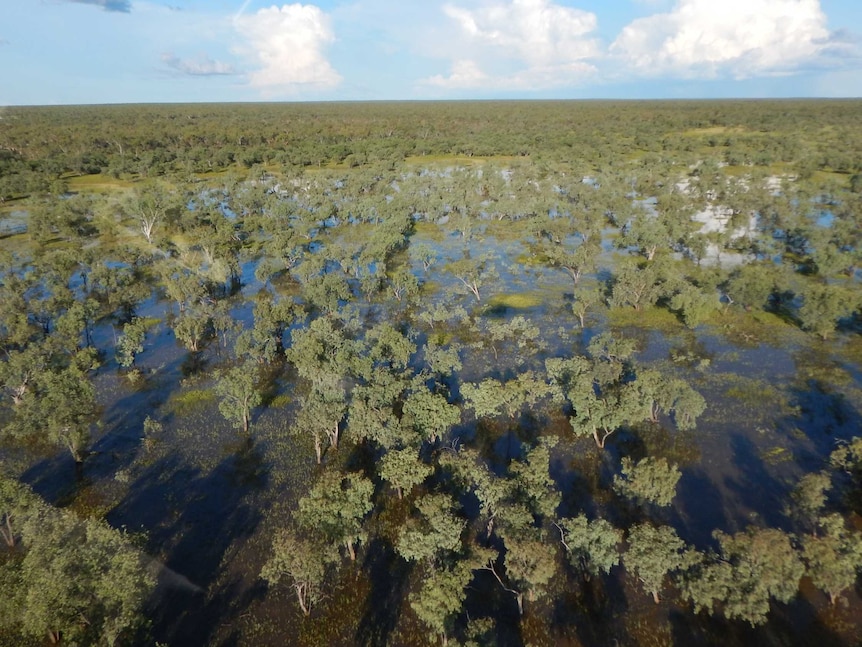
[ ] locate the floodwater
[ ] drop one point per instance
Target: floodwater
(206, 499)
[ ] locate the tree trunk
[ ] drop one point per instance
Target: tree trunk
(317, 449)
(520, 598)
(7, 532)
(300, 596)
(351, 551)
(655, 597)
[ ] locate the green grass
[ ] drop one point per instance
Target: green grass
(186, 402)
(97, 183)
(515, 301)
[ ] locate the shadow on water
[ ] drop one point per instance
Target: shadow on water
(699, 507)
(755, 488)
(796, 624)
(389, 576)
(192, 520)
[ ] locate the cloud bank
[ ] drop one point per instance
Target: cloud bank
(287, 47)
(522, 44)
(738, 38)
(123, 6)
(202, 67)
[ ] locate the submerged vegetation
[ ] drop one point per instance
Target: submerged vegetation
(468, 373)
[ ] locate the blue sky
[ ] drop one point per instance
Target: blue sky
(128, 51)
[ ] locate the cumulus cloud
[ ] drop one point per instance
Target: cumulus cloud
(287, 44)
(124, 6)
(204, 66)
(739, 38)
(529, 44)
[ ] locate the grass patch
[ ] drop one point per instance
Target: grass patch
(458, 160)
(186, 402)
(516, 301)
(752, 328)
(280, 401)
(96, 183)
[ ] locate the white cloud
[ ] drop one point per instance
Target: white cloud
(524, 45)
(287, 44)
(740, 38)
(201, 67)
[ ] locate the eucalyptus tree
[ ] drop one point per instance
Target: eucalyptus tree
(131, 343)
(833, 556)
(79, 581)
(153, 207)
(272, 317)
(336, 508)
(824, 304)
(650, 480)
(404, 469)
(751, 569)
(60, 408)
(562, 245)
(517, 332)
(586, 298)
(491, 397)
(439, 600)
(474, 274)
(530, 561)
(653, 554)
(303, 563)
(435, 533)
(598, 388)
(428, 414)
(592, 546)
(238, 390)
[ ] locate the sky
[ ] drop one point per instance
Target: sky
(132, 51)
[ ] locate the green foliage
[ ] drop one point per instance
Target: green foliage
(78, 579)
(653, 554)
(131, 343)
(650, 480)
(238, 392)
(336, 507)
(592, 546)
(403, 469)
(752, 568)
(302, 562)
(833, 558)
(435, 533)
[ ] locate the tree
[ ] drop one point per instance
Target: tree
(438, 601)
(403, 469)
(531, 564)
(833, 558)
(79, 581)
(152, 207)
(61, 408)
(592, 546)
(491, 397)
(586, 298)
(474, 274)
(302, 562)
(751, 568)
(131, 343)
(653, 554)
(435, 533)
(239, 393)
(17, 504)
(429, 414)
(336, 508)
(823, 304)
(650, 480)
(320, 416)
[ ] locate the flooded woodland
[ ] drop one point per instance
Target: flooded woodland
(516, 373)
